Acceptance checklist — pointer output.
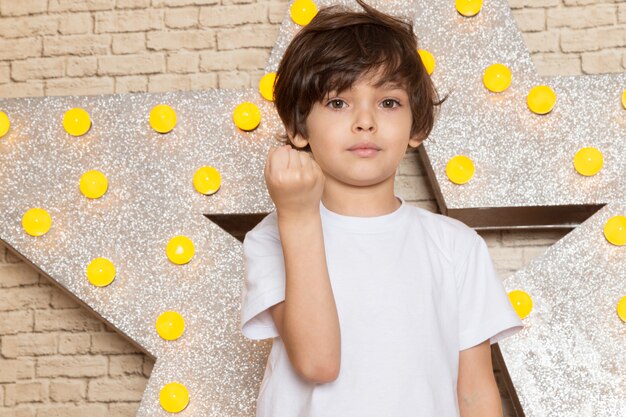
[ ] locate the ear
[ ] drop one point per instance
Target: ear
(298, 140)
(416, 141)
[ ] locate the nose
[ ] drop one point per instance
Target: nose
(364, 120)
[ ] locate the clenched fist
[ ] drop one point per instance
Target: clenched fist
(294, 180)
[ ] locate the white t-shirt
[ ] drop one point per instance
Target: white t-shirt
(412, 289)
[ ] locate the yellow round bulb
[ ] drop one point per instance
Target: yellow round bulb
(174, 397)
(497, 78)
(266, 86)
(623, 100)
(541, 99)
(303, 11)
(100, 272)
(93, 184)
(162, 118)
(5, 123)
(76, 121)
(460, 169)
(180, 250)
(36, 222)
(522, 303)
(468, 8)
(170, 325)
(247, 116)
(621, 309)
(588, 161)
(615, 230)
(428, 60)
(207, 180)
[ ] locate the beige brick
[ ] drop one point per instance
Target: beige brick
(12, 49)
(148, 365)
(413, 188)
(21, 27)
(582, 17)
(255, 77)
(119, 389)
(247, 37)
(15, 275)
(13, 322)
(80, 410)
(27, 89)
(506, 260)
(29, 344)
(60, 299)
(491, 237)
(26, 368)
(622, 13)
(179, 3)
(587, 2)
(240, 59)
(62, 391)
(129, 43)
(12, 257)
(181, 39)
(74, 319)
(587, 40)
(131, 84)
(411, 165)
(80, 5)
(109, 342)
(541, 41)
(517, 4)
(233, 79)
(203, 81)
(131, 64)
(220, 16)
(9, 370)
(126, 365)
(277, 12)
(602, 62)
(24, 297)
(5, 77)
(74, 343)
(132, 4)
(530, 20)
(551, 64)
(71, 366)
(20, 8)
(128, 21)
(37, 68)
(76, 23)
(26, 392)
(1, 394)
(183, 62)
(77, 45)
(25, 411)
(526, 238)
(531, 253)
(181, 18)
(123, 410)
(228, 2)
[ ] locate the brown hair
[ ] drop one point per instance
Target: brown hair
(338, 47)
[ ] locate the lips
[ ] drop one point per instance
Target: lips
(364, 145)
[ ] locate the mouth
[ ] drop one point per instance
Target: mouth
(364, 149)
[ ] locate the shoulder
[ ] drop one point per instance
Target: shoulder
(452, 237)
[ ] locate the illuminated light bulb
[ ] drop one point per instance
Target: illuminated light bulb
(428, 60)
(247, 116)
(497, 78)
(36, 221)
(266, 86)
(162, 118)
(303, 11)
(541, 99)
(180, 250)
(207, 180)
(521, 302)
(76, 121)
(174, 397)
(615, 230)
(621, 309)
(100, 272)
(170, 325)
(93, 184)
(460, 169)
(588, 161)
(5, 124)
(623, 100)
(469, 8)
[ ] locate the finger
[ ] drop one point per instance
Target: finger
(280, 160)
(294, 159)
(305, 159)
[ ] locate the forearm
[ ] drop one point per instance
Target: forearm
(310, 324)
(483, 403)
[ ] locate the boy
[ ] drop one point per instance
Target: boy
(377, 308)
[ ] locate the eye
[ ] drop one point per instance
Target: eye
(390, 103)
(336, 103)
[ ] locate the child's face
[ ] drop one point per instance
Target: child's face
(359, 136)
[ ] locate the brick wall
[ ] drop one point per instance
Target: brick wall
(56, 358)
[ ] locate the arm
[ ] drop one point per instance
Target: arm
(307, 320)
(477, 390)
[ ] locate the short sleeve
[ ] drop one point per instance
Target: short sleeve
(485, 311)
(264, 280)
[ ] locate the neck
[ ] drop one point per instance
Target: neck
(374, 200)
